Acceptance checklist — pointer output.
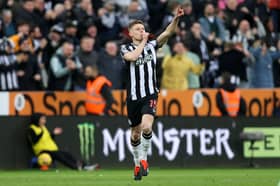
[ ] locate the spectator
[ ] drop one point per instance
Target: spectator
(84, 13)
(135, 12)
(64, 68)
(42, 141)
(55, 39)
(68, 13)
(25, 13)
(157, 10)
(244, 35)
(176, 68)
(23, 31)
(196, 43)
(231, 15)
(8, 77)
(193, 79)
(235, 62)
(40, 12)
(62, 12)
(111, 65)
(40, 44)
(276, 67)
(87, 55)
(110, 24)
(171, 11)
(271, 36)
(198, 6)
(125, 3)
(255, 23)
(99, 97)
(107, 20)
(92, 32)
(274, 6)
(71, 32)
(188, 18)
(222, 4)
(260, 9)
(57, 14)
(1, 28)
(28, 70)
(4, 4)
(9, 27)
(212, 27)
(261, 73)
(228, 99)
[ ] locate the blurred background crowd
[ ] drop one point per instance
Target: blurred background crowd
(46, 44)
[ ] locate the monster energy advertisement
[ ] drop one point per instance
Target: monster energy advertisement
(86, 137)
(176, 142)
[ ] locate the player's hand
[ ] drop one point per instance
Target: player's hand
(57, 131)
(145, 36)
(180, 12)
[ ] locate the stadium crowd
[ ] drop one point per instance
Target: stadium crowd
(47, 44)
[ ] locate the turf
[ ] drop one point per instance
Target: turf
(158, 177)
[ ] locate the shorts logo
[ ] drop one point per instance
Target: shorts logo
(129, 122)
(153, 104)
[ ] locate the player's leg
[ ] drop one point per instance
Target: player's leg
(146, 140)
(135, 143)
(148, 113)
(147, 123)
(134, 116)
(136, 150)
(60, 156)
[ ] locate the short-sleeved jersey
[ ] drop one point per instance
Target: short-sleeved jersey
(142, 81)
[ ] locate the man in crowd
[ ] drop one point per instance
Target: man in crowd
(228, 98)
(64, 68)
(99, 98)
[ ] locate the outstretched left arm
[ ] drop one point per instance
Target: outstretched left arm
(163, 37)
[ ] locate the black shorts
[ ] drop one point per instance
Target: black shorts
(136, 109)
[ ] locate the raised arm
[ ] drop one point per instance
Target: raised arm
(170, 29)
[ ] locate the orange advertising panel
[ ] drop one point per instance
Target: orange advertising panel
(50, 103)
(172, 103)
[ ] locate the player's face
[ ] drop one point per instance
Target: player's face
(136, 32)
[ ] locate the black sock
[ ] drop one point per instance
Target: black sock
(147, 136)
(135, 143)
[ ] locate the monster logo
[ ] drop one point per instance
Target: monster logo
(86, 136)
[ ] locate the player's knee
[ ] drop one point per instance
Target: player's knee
(136, 135)
(147, 130)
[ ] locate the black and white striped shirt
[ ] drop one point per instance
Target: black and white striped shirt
(8, 77)
(142, 81)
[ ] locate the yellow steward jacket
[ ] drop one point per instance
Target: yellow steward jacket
(45, 143)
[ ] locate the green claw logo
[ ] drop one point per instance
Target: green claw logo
(86, 136)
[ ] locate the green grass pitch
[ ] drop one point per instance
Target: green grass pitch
(157, 177)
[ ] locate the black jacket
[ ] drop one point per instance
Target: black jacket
(232, 61)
